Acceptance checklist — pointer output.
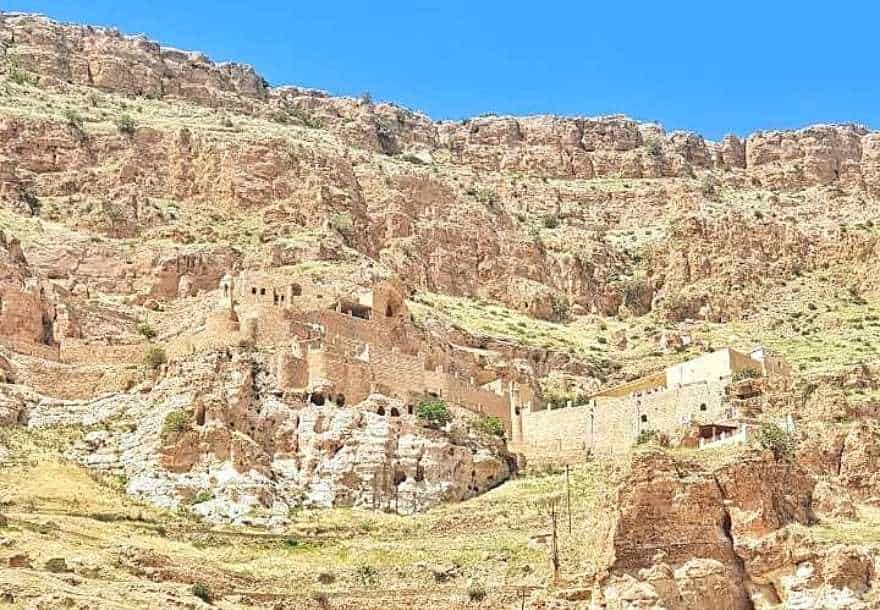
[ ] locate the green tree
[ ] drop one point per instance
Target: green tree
(434, 412)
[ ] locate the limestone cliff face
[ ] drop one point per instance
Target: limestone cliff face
(135, 65)
(689, 538)
(473, 229)
(216, 434)
(551, 146)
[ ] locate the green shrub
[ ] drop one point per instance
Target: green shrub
(434, 412)
(491, 425)
(771, 436)
(342, 223)
(18, 76)
(175, 422)
(74, 119)
(155, 357)
(709, 186)
(561, 309)
(367, 575)
(203, 592)
(654, 148)
(748, 373)
(126, 125)
(203, 496)
(412, 159)
(484, 195)
(551, 221)
(646, 436)
(476, 591)
(146, 330)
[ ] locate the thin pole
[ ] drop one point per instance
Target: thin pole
(568, 496)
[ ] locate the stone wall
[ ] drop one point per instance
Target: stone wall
(607, 425)
(79, 352)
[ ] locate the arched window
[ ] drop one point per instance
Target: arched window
(380, 411)
(395, 412)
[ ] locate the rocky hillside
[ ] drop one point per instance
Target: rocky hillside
(571, 253)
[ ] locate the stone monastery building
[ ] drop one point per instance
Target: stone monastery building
(686, 394)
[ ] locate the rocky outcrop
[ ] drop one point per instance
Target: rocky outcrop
(687, 537)
(216, 436)
(133, 65)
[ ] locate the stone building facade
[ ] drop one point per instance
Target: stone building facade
(611, 421)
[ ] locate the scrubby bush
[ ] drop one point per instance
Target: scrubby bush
(491, 425)
(203, 592)
(410, 158)
(748, 373)
(771, 436)
(175, 422)
(561, 309)
(202, 496)
(367, 575)
(476, 591)
(74, 119)
(709, 186)
(145, 330)
(155, 357)
(434, 412)
(18, 76)
(126, 125)
(551, 221)
(654, 148)
(646, 436)
(342, 223)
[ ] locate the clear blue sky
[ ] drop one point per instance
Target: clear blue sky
(712, 67)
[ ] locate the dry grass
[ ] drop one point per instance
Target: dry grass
(57, 509)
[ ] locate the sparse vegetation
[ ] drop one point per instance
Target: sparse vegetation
(148, 332)
(646, 436)
(771, 436)
(74, 119)
(434, 412)
(654, 148)
(154, 357)
(561, 308)
(491, 425)
(367, 575)
(203, 592)
(126, 125)
(175, 422)
(342, 223)
(746, 373)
